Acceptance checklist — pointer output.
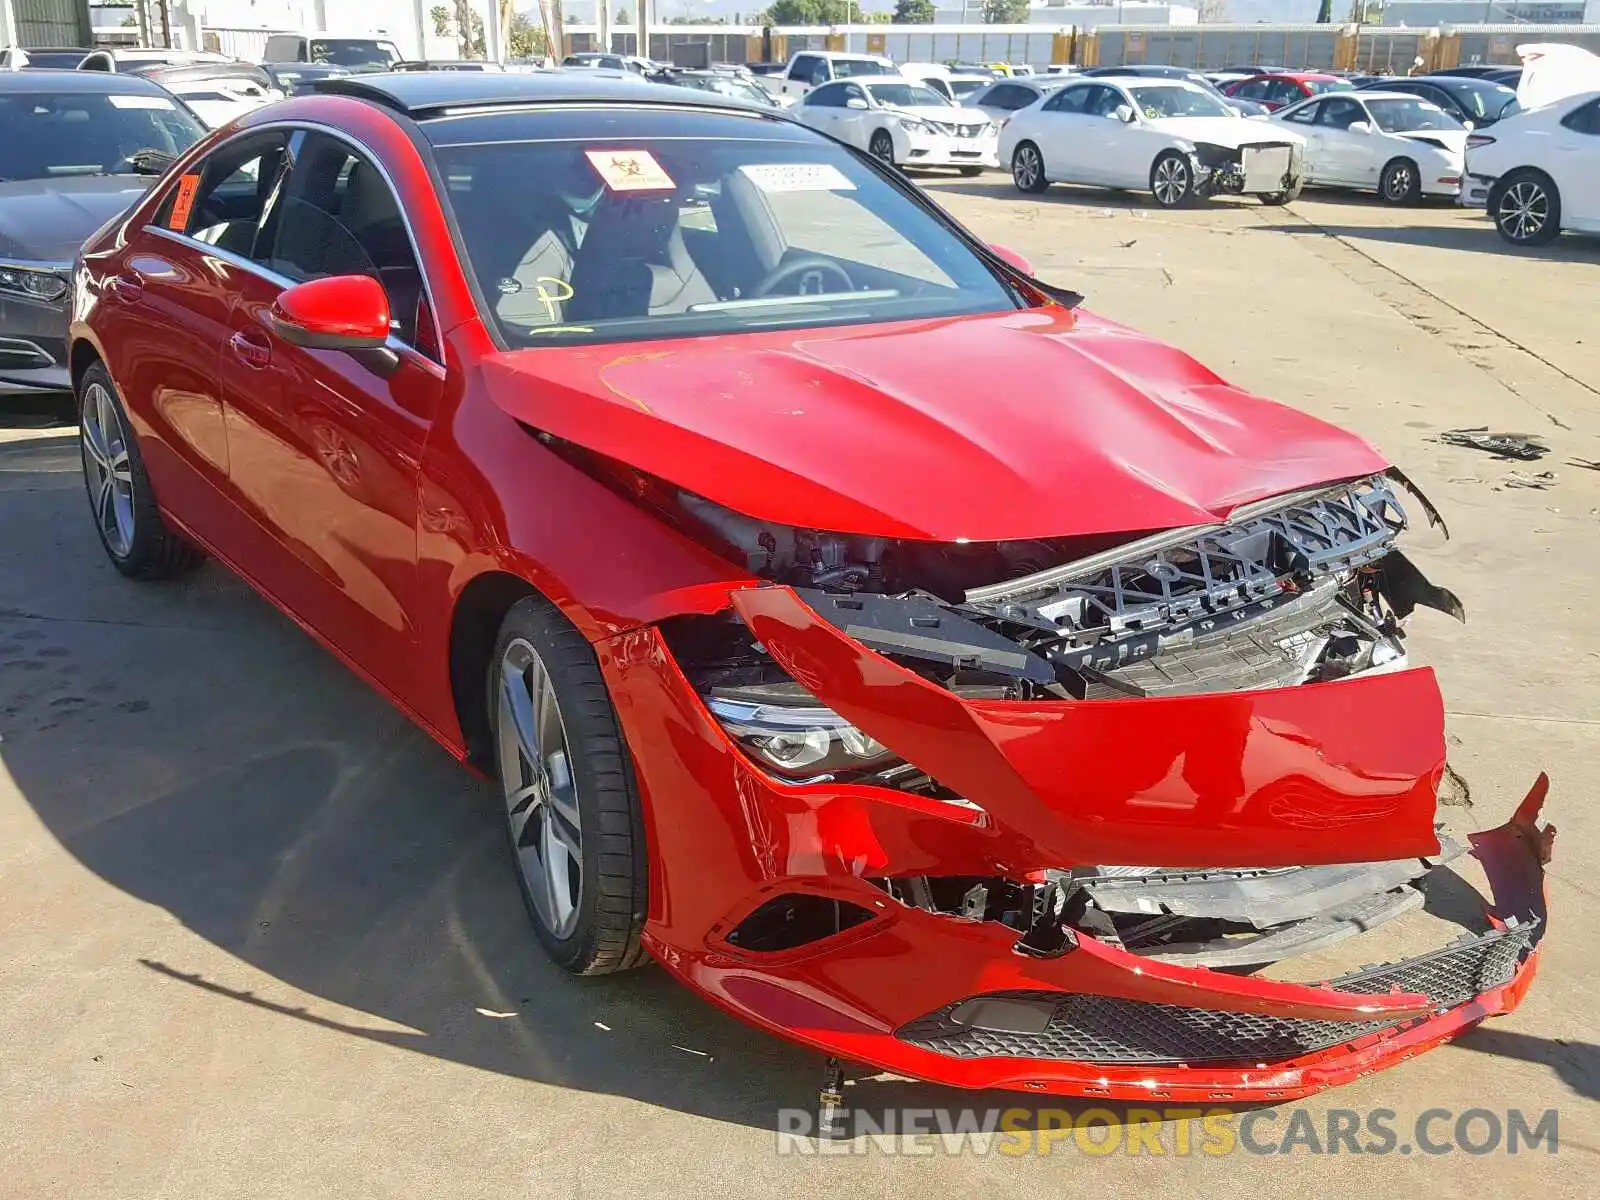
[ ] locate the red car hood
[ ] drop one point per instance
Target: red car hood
(1040, 423)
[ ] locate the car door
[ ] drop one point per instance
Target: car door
(1120, 152)
(1350, 159)
(172, 292)
(1062, 134)
(325, 446)
(820, 108)
(1575, 165)
(1303, 119)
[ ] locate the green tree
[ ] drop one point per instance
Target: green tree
(524, 39)
(813, 12)
(913, 12)
(441, 20)
(1005, 12)
(1325, 12)
(622, 17)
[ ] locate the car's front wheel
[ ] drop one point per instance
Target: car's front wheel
(881, 147)
(1400, 183)
(1027, 168)
(1526, 208)
(136, 539)
(1172, 180)
(572, 810)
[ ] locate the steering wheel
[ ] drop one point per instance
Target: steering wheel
(785, 271)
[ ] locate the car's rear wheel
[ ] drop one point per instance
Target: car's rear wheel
(1526, 208)
(1027, 168)
(126, 517)
(881, 147)
(572, 811)
(1172, 180)
(1400, 182)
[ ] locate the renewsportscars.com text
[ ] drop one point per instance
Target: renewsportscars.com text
(1175, 1132)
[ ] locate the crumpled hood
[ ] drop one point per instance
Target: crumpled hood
(48, 220)
(1232, 132)
(1024, 424)
(1455, 140)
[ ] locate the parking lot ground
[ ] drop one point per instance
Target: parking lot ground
(260, 939)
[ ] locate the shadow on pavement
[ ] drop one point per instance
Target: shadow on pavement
(1477, 237)
(194, 750)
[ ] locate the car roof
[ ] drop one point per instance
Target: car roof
(420, 93)
(75, 83)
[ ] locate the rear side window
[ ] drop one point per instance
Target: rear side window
(1584, 119)
(222, 202)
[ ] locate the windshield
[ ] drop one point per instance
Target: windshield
(966, 87)
(844, 68)
(1317, 86)
(582, 234)
(1486, 99)
(354, 52)
(739, 89)
(1406, 116)
(46, 135)
(1157, 100)
(60, 60)
(906, 95)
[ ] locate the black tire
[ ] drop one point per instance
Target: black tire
(1526, 207)
(971, 172)
(611, 895)
(1400, 182)
(1027, 169)
(1274, 199)
(1172, 180)
(146, 548)
(881, 147)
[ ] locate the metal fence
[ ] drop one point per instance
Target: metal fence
(51, 22)
(1497, 44)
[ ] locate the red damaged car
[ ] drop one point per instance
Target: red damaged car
(647, 450)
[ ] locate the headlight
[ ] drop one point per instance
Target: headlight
(799, 741)
(914, 125)
(33, 283)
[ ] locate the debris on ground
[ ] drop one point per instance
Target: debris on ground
(1588, 464)
(1503, 445)
(1525, 479)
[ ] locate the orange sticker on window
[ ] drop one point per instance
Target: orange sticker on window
(630, 170)
(183, 202)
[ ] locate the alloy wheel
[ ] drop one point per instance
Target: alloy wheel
(1026, 168)
(1399, 183)
(1524, 210)
(1172, 181)
(540, 793)
(109, 472)
(882, 149)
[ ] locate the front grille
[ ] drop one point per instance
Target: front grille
(1102, 1029)
(954, 130)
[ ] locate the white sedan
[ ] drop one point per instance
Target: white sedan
(1538, 172)
(1163, 134)
(902, 123)
(1400, 145)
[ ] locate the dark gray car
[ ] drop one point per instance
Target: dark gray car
(76, 149)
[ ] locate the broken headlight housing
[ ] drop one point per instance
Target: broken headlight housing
(791, 735)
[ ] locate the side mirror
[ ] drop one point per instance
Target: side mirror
(341, 312)
(855, 102)
(1012, 257)
(1359, 127)
(1124, 114)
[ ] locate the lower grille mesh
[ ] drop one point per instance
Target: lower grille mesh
(1101, 1029)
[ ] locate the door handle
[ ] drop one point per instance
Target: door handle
(127, 288)
(249, 351)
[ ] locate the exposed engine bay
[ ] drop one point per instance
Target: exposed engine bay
(1298, 589)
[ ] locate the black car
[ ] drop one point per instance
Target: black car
(1476, 100)
(76, 149)
(297, 78)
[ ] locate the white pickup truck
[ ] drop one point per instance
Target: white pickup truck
(809, 68)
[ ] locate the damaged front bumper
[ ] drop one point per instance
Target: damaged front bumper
(932, 896)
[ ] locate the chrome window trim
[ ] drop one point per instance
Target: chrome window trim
(403, 349)
(366, 152)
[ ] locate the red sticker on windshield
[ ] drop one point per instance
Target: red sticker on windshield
(183, 202)
(630, 170)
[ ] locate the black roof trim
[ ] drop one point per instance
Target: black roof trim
(429, 93)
